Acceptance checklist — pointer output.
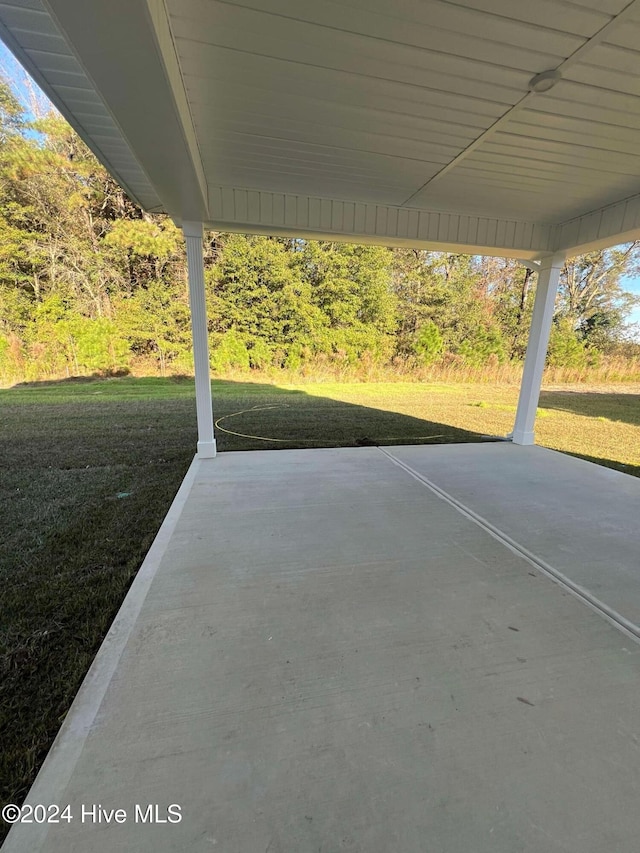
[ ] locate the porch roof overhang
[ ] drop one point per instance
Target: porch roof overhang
(402, 124)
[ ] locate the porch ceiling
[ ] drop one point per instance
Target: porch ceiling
(405, 123)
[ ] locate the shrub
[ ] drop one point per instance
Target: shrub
(90, 344)
(260, 354)
(12, 358)
(295, 357)
(484, 345)
(229, 352)
(428, 344)
(565, 349)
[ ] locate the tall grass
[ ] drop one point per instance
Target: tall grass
(452, 372)
(449, 370)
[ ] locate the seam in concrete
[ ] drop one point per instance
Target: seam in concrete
(625, 626)
(63, 756)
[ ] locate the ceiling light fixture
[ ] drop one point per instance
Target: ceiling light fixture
(544, 81)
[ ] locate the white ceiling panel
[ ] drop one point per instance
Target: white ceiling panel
(215, 62)
(300, 42)
(599, 98)
(47, 42)
(611, 7)
(283, 123)
(608, 57)
(281, 138)
(365, 166)
(250, 105)
(598, 118)
(261, 73)
(418, 108)
(557, 155)
(26, 17)
(397, 24)
(626, 37)
(438, 15)
(273, 85)
(604, 136)
(583, 20)
(606, 80)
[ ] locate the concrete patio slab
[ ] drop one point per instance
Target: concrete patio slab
(321, 654)
(581, 519)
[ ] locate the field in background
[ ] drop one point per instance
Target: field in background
(90, 468)
(610, 369)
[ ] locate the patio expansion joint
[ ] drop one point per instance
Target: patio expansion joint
(625, 626)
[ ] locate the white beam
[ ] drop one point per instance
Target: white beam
(548, 279)
(166, 47)
(532, 266)
(193, 234)
(286, 214)
(119, 46)
(599, 229)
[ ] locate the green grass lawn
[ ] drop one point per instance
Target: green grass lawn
(89, 469)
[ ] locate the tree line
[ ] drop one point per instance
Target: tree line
(91, 283)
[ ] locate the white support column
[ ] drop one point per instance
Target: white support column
(193, 235)
(548, 278)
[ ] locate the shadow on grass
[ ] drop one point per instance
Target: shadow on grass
(89, 471)
(250, 417)
(623, 407)
(152, 420)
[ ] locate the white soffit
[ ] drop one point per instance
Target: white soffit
(409, 122)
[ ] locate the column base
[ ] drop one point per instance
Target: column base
(206, 449)
(520, 437)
